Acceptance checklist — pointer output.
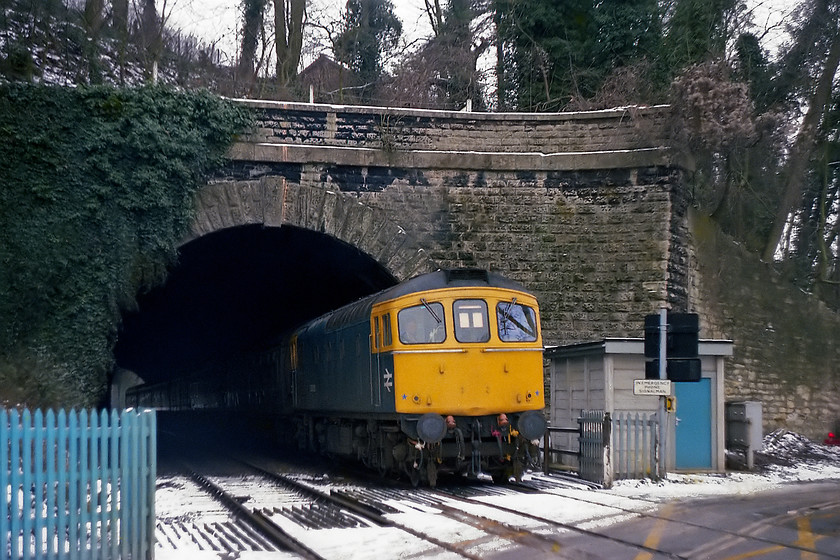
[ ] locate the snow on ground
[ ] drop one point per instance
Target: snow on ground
(785, 458)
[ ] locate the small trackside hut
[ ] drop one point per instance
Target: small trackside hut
(603, 375)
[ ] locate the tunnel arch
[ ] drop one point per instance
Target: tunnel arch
(261, 258)
(274, 202)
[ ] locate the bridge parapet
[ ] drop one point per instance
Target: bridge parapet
(414, 138)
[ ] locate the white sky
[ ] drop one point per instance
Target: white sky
(217, 20)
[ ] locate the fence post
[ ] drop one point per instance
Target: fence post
(6, 512)
(113, 476)
(39, 486)
(546, 447)
(25, 491)
(606, 445)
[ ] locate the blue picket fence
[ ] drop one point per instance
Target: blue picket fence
(77, 485)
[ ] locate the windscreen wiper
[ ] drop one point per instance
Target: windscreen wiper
(430, 310)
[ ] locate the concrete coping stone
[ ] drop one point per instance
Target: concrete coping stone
(617, 112)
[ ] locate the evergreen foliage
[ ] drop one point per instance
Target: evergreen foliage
(556, 55)
(98, 190)
(370, 30)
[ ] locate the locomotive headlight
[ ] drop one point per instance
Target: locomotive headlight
(531, 425)
(431, 427)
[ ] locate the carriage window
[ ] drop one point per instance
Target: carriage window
(517, 322)
(422, 324)
(471, 320)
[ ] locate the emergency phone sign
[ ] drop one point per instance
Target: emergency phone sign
(652, 387)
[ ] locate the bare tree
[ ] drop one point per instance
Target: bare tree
(152, 25)
(252, 28)
(93, 18)
(288, 23)
(119, 19)
(796, 166)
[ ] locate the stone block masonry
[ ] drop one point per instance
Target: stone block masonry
(589, 210)
(576, 206)
(404, 130)
(593, 256)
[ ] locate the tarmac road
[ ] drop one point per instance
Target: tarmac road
(796, 521)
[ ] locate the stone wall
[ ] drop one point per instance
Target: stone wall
(585, 208)
(787, 343)
(395, 129)
(593, 254)
(588, 210)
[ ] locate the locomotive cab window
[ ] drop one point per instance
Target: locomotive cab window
(471, 320)
(517, 322)
(422, 324)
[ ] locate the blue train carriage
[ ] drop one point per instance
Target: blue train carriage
(441, 373)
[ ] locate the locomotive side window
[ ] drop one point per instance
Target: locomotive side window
(387, 338)
(377, 338)
(422, 324)
(517, 322)
(471, 320)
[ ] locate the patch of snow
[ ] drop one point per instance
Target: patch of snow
(784, 459)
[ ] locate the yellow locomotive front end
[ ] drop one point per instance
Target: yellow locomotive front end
(467, 373)
(466, 352)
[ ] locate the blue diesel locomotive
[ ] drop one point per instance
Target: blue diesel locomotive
(440, 373)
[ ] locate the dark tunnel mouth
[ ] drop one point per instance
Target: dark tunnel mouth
(238, 290)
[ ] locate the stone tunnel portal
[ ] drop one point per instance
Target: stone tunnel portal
(237, 289)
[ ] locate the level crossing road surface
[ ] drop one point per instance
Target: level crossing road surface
(795, 521)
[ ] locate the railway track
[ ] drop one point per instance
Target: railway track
(267, 511)
(332, 516)
(531, 535)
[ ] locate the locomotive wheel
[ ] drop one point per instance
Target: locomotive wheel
(414, 476)
(431, 472)
(518, 469)
(500, 477)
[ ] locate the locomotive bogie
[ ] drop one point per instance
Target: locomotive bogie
(468, 446)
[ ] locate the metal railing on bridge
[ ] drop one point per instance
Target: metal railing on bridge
(77, 485)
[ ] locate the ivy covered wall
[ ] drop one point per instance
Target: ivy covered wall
(97, 189)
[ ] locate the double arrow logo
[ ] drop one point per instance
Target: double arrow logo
(388, 376)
